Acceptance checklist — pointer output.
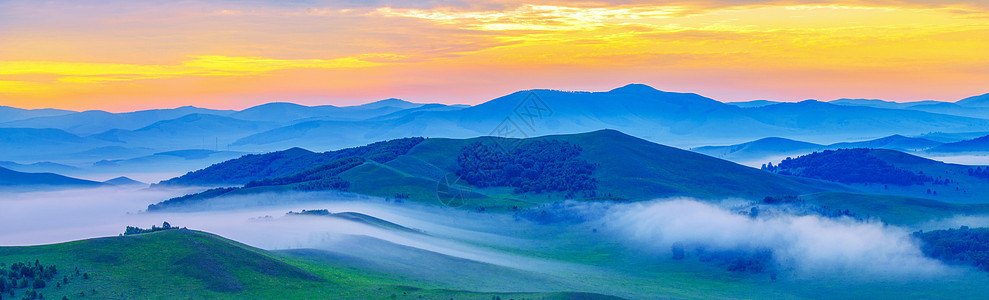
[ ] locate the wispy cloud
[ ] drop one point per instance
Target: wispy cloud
(53, 53)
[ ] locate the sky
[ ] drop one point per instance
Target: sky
(128, 55)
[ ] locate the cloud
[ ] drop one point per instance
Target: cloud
(211, 65)
(222, 53)
(809, 244)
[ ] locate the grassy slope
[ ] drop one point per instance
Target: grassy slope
(895, 209)
(191, 264)
(629, 168)
(962, 189)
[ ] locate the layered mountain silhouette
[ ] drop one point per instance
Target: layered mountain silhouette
(980, 144)
(10, 178)
(775, 148)
(96, 121)
(625, 167)
(8, 113)
(679, 119)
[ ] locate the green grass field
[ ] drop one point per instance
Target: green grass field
(180, 264)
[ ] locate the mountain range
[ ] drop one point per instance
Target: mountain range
(676, 119)
(625, 168)
(976, 106)
(776, 148)
(10, 179)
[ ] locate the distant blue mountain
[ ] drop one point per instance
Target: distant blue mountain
(753, 103)
(190, 131)
(759, 149)
(635, 109)
(640, 110)
(39, 167)
(774, 148)
(820, 118)
(951, 137)
(34, 144)
(111, 152)
(287, 112)
(980, 144)
(11, 178)
(8, 113)
(96, 121)
(975, 101)
(283, 112)
(894, 142)
(975, 107)
(877, 103)
(124, 181)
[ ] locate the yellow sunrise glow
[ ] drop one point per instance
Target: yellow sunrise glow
(911, 51)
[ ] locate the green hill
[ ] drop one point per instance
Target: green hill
(896, 210)
(174, 264)
(601, 165)
(883, 171)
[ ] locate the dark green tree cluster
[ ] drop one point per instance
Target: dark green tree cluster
(248, 167)
(334, 183)
(380, 152)
(312, 212)
(782, 199)
(747, 261)
(824, 211)
(979, 172)
(137, 230)
(26, 275)
(847, 166)
(678, 251)
(331, 169)
(533, 166)
(292, 166)
(965, 246)
(320, 178)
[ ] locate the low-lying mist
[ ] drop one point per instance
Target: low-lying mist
(572, 245)
(261, 221)
(809, 245)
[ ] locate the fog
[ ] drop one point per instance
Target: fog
(260, 220)
(807, 244)
(549, 251)
(972, 160)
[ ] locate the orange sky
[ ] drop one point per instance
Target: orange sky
(128, 55)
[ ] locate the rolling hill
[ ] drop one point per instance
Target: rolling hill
(183, 263)
(635, 109)
(759, 149)
(773, 149)
(678, 119)
(14, 179)
(877, 103)
(975, 101)
(96, 121)
(980, 144)
(287, 112)
(124, 181)
(825, 119)
(894, 142)
(890, 172)
(8, 113)
(39, 167)
(753, 103)
(190, 131)
(625, 168)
